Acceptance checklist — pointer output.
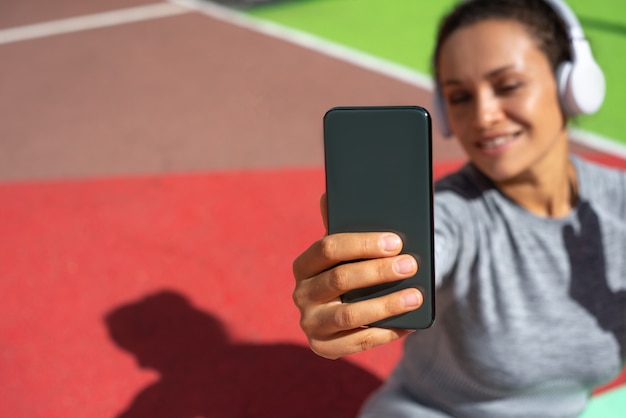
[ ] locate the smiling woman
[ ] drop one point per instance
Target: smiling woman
(529, 240)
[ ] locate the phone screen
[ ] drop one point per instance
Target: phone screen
(378, 167)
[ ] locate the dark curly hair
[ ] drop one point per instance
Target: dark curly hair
(538, 17)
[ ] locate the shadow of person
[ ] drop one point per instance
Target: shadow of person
(589, 286)
(204, 374)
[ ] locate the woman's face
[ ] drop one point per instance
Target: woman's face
(501, 100)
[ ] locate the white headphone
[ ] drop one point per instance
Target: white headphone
(580, 82)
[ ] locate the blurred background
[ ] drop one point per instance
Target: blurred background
(160, 168)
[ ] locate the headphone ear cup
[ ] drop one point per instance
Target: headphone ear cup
(440, 116)
(581, 87)
(586, 87)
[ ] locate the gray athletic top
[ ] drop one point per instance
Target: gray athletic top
(531, 311)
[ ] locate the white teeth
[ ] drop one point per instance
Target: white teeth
(496, 142)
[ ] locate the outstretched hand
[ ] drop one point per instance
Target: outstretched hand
(335, 329)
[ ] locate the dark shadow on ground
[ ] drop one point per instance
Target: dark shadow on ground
(203, 374)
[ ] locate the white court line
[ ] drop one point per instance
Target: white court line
(363, 60)
(92, 21)
(598, 142)
(309, 41)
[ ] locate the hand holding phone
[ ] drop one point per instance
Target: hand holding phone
(378, 169)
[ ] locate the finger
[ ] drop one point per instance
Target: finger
(332, 283)
(340, 317)
(333, 249)
(355, 341)
(324, 210)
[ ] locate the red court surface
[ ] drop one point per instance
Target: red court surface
(156, 181)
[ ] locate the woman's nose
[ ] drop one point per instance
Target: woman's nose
(488, 110)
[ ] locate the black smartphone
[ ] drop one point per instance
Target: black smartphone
(378, 166)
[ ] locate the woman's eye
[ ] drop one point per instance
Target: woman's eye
(509, 87)
(456, 98)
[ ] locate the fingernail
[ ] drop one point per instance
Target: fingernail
(390, 242)
(411, 300)
(404, 265)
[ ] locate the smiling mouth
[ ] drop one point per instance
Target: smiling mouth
(497, 142)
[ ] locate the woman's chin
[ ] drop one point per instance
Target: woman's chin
(498, 173)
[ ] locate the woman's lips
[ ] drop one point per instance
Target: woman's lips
(496, 143)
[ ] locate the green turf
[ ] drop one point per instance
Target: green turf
(611, 404)
(403, 31)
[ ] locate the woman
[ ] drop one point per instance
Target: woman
(529, 243)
